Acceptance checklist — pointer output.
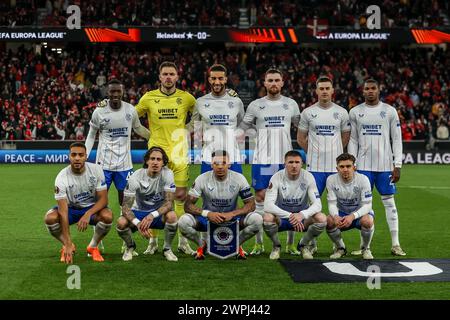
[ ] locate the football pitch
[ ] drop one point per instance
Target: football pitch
(30, 267)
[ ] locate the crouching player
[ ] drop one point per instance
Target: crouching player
(350, 206)
(80, 191)
(219, 190)
(292, 202)
(148, 204)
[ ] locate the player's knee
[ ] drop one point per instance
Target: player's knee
(51, 217)
(269, 218)
(171, 217)
(330, 223)
(122, 223)
(180, 195)
(320, 218)
(184, 223)
(106, 216)
(367, 222)
(255, 219)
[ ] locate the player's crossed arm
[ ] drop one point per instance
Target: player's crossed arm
(249, 206)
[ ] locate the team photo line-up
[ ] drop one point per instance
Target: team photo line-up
(347, 153)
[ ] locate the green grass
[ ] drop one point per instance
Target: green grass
(30, 267)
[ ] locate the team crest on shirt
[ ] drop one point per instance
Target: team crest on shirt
(313, 115)
(283, 188)
(361, 115)
(230, 104)
(92, 180)
(70, 186)
(383, 114)
(355, 189)
(207, 105)
(179, 101)
(156, 100)
(262, 107)
(336, 188)
(128, 117)
(285, 106)
(210, 188)
(303, 186)
(336, 116)
(232, 188)
(104, 122)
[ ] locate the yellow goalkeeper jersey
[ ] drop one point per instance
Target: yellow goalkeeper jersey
(166, 114)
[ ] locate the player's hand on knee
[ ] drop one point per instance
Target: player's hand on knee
(337, 220)
(145, 232)
(146, 222)
(347, 221)
(296, 220)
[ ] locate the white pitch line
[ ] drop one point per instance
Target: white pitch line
(424, 187)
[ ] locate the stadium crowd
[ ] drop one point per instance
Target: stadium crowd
(350, 13)
(51, 96)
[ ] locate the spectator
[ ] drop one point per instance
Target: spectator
(442, 131)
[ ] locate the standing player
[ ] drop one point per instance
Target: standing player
(167, 110)
(324, 132)
(292, 202)
(114, 119)
(272, 115)
(349, 198)
(374, 124)
(148, 203)
(80, 191)
(220, 112)
(219, 190)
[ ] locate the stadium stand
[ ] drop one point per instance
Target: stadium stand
(51, 95)
(236, 13)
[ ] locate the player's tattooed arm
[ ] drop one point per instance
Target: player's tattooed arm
(190, 207)
(249, 206)
(168, 203)
(126, 208)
